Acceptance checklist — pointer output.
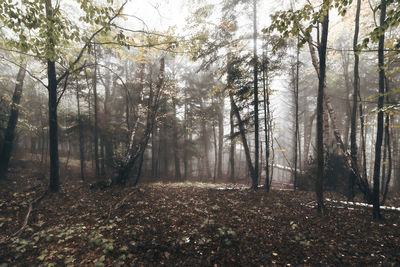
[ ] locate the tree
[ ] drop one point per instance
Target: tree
(379, 129)
(353, 131)
(53, 32)
(320, 108)
(255, 88)
(137, 144)
(5, 154)
(307, 15)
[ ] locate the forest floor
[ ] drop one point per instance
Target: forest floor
(186, 224)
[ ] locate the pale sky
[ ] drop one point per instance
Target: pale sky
(156, 14)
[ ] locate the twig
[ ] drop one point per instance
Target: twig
(19, 232)
(119, 204)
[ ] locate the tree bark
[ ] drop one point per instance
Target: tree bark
(232, 145)
(96, 123)
(255, 73)
(81, 138)
(185, 142)
(266, 121)
(205, 140)
(379, 131)
(296, 122)
(242, 131)
(176, 145)
(220, 136)
(320, 109)
(54, 184)
(12, 122)
(53, 127)
(346, 126)
(215, 152)
(356, 86)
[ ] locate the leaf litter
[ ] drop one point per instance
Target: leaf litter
(188, 224)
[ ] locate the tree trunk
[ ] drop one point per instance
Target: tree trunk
(220, 135)
(154, 166)
(135, 153)
(253, 174)
(345, 64)
(54, 184)
(106, 136)
(356, 86)
(12, 122)
(296, 122)
(232, 145)
(215, 152)
(320, 109)
(362, 181)
(81, 138)
(390, 161)
(53, 127)
(96, 123)
(206, 145)
(102, 162)
(308, 134)
(176, 145)
(185, 142)
(379, 131)
(255, 72)
(266, 121)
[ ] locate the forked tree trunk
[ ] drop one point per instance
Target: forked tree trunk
(136, 150)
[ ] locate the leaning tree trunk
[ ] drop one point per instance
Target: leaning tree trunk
(135, 151)
(379, 131)
(244, 141)
(361, 181)
(12, 122)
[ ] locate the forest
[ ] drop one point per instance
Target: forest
(199, 132)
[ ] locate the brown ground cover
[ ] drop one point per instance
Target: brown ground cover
(185, 225)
